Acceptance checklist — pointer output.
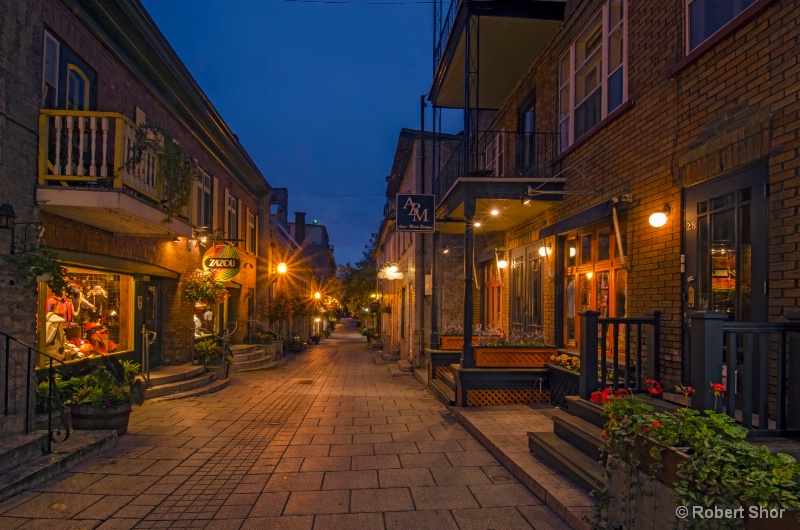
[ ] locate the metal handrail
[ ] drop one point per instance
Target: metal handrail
(266, 328)
(52, 388)
(226, 339)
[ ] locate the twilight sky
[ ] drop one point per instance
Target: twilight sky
(316, 91)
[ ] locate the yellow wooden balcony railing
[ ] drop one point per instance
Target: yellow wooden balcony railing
(95, 150)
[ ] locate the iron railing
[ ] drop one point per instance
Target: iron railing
(11, 380)
(758, 363)
(622, 344)
(499, 154)
(441, 33)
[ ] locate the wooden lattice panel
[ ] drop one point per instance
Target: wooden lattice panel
(441, 370)
(482, 398)
(487, 357)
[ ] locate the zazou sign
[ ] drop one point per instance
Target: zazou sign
(415, 213)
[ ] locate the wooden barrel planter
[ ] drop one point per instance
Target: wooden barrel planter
(40, 419)
(91, 418)
(513, 356)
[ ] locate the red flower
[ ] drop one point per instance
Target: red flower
(718, 389)
(655, 424)
(653, 387)
(601, 396)
(620, 392)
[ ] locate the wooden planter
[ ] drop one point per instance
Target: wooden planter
(456, 342)
(40, 419)
(513, 356)
(91, 418)
(664, 470)
(563, 383)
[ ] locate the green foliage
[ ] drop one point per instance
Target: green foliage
(178, 169)
(208, 352)
(202, 287)
(34, 261)
(101, 389)
(358, 282)
(44, 401)
(723, 469)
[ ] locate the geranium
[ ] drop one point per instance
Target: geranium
(202, 287)
(685, 390)
(601, 396)
(718, 389)
(653, 387)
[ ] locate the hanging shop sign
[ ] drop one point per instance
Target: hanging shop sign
(223, 261)
(415, 213)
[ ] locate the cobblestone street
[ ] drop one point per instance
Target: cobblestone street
(328, 440)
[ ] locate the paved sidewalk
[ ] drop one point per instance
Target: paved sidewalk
(329, 440)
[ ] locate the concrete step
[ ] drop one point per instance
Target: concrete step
(586, 410)
(178, 387)
(583, 435)
(405, 366)
(443, 393)
(16, 450)
(264, 363)
(244, 349)
(79, 447)
(566, 459)
(215, 386)
(250, 355)
(390, 357)
(449, 380)
(395, 370)
(163, 375)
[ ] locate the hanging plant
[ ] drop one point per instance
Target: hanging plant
(39, 263)
(201, 287)
(178, 169)
(279, 308)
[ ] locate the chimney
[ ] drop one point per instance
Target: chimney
(299, 227)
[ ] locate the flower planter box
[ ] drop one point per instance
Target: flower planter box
(563, 383)
(513, 356)
(454, 342)
(91, 418)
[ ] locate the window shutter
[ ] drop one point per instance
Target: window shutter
(242, 222)
(227, 217)
(215, 207)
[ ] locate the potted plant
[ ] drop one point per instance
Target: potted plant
(102, 399)
(51, 400)
(208, 352)
(202, 289)
(564, 378)
(516, 350)
(452, 338)
(315, 338)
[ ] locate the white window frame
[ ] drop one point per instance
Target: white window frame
(49, 39)
(251, 243)
(737, 7)
(231, 216)
(567, 74)
(494, 155)
(204, 200)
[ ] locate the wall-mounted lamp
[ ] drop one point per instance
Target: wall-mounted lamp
(390, 271)
(545, 250)
(659, 217)
(176, 239)
(499, 256)
(446, 250)
(317, 295)
(7, 216)
(282, 268)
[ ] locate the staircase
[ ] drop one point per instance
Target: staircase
(444, 387)
(249, 357)
(24, 464)
(181, 381)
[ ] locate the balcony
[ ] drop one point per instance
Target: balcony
(499, 39)
(498, 170)
(86, 174)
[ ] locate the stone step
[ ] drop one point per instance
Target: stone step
(395, 370)
(390, 357)
(79, 447)
(449, 380)
(216, 385)
(583, 435)
(405, 366)
(443, 393)
(18, 449)
(584, 471)
(251, 356)
(178, 387)
(163, 375)
(265, 363)
(243, 349)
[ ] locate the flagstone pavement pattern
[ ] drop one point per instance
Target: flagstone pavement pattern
(329, 440)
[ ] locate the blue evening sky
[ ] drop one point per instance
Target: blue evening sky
(317, 93)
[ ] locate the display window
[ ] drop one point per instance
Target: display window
(94, 317)
(593, 278)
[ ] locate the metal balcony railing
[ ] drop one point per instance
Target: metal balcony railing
(499, 154)
(445, 17)
(95, 150)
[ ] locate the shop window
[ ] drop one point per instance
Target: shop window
(593, 73)
(93, 318)
(706, 17)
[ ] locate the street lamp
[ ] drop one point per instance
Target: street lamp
(317, 295)
(282, 267)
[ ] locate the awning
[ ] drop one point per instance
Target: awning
(589, 216)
